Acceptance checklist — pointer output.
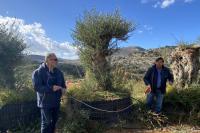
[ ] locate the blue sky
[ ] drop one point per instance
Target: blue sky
(159, 22)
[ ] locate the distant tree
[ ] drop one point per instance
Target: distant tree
(97, 35)
(11, 48)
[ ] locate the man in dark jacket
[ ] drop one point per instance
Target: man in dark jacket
(155, 79)
(49, 83)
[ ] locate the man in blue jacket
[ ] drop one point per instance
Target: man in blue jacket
(49, 83)
(155, 79)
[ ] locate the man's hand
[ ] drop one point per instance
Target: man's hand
(148, 89)
(56, 88)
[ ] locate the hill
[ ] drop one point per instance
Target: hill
(132, 60)
(135, 60)
(40, 59)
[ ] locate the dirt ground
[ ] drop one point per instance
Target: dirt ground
(170, 129)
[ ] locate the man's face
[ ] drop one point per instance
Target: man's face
(52, 61)
(159, 63)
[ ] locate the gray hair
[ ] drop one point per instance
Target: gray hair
(48, 55)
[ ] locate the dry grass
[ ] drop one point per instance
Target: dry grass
(168, 129)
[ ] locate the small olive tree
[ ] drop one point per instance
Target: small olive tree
(11, 48)
(96, 35)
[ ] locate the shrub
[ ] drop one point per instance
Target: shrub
(8, 96)
(11, 48)
(184, 105)
(23, 74)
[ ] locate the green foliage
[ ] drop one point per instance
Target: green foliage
(11, 47)
(134, 87)
(137, 86)
(96, 35)
(8, 96)
(23, 74)
(87, 93)
(79, 123)
(32, 127)
(184, 104)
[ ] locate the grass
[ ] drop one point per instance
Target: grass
(136, 88)
(86, 90)
(95, 95)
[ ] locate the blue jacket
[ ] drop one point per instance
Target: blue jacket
(150, 78)
(43, 82)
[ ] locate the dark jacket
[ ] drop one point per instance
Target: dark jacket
(150, 78)
(43, 82)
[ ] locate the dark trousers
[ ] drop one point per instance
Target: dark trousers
(49, 117)
(158, 101)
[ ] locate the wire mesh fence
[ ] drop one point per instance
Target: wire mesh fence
(21, 114)
(17, 115)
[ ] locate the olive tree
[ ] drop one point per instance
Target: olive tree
(11, 53)
(96, 36)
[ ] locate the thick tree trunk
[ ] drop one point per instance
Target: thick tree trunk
(185, 66)
(101, 69)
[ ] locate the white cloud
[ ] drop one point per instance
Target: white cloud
(167, 3)
(37, 40)
(163, 3)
